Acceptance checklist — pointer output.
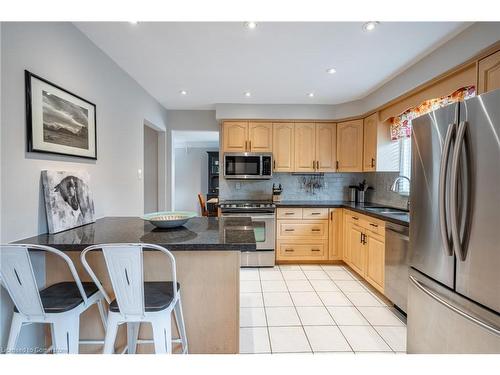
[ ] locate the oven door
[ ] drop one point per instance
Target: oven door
(263, 226)
(242, 166)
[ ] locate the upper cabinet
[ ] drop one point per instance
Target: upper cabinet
(260, 136)
(326, 147)
(235, 136)
(379, 152)
(305, 150)
(350, 146)
(283, 146)
(315, 147)
(489, 73)
(243, 136)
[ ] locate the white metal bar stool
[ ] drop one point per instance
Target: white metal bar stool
(138, 301)
(60, 304)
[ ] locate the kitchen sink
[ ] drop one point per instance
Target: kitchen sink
(387, 210)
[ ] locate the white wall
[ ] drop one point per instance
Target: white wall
(150, 171)
(184, 120)
(191, 177)
(60, 53)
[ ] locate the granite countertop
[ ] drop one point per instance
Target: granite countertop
(358, 207)
(199, 234)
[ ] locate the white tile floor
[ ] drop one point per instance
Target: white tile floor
(315, 309)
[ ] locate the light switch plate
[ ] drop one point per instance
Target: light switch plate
(139, 174)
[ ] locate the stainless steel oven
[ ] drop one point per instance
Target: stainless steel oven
(263, 221)
(248, 165)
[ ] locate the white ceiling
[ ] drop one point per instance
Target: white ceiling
(279, 63)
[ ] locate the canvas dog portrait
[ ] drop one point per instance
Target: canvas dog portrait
(68, 199)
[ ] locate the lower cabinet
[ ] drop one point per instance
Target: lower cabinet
(330, 234)
(364, 247)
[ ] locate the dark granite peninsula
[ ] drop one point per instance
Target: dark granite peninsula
(199, 233)
(207, 253)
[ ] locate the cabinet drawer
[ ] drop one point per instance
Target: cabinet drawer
(373, 225)
(289, 213)
(304, 229)
(315, 213)
(302, 251)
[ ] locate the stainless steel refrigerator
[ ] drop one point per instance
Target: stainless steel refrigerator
(454, 287)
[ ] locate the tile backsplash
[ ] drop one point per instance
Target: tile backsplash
(334, 186)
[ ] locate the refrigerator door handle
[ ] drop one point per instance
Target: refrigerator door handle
(443, 225)
(436, 297)
(457, 246)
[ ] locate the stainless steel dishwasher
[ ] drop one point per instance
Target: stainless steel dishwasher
(397, 242)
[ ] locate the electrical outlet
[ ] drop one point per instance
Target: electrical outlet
(237, 186)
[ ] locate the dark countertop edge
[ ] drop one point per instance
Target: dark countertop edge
(346, 205)
(186, 247)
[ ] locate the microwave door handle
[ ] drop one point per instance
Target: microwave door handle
(443, 225)
(454, 214)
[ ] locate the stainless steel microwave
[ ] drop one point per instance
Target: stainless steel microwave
(248, 165)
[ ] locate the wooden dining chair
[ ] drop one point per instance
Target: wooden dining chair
(203, 206)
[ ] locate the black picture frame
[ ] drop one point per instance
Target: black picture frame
(28, 76)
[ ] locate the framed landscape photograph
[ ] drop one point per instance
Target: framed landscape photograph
(58, 121)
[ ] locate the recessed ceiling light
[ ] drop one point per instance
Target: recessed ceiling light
(331, 71)
(370, 26)
(183, 92)
(248, 94)
(133, 22)
(311, 95)
(251, 25)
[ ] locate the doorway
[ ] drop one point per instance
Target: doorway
(190, 166)
(150, 171)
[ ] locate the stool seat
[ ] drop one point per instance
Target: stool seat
(65, 296)
(158, 295)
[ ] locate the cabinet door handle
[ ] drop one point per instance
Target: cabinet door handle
(246, 145)
(274, 164)
(288, 250)
(373, 162)
(317, 164)
(316, 230)
(360, 237)
(315, 213)
(289, 230)
(374, 225)
(354, 218)
(249, 145)
(364, 239)
(331, 215)
(315, 249)
(337, 165)
(289, 213)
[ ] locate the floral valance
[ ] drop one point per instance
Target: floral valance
(401, 125)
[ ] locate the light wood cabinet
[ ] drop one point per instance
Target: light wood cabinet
(260, 136)
(283, 147)
(370, 142)
(489, 73)
(243, 136)
(335, 236)
(305, 150)
(364, 247)
(375, 260)
(380, 153)
(350, 146)
(326, 147)
(235, 136)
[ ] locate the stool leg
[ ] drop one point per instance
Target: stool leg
(162, 333)
(111, 330)
(179, 319)
(102, 313)
(132, 335)
(66, 334)
(15, 329)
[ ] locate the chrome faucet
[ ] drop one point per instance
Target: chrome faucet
(396, 189)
